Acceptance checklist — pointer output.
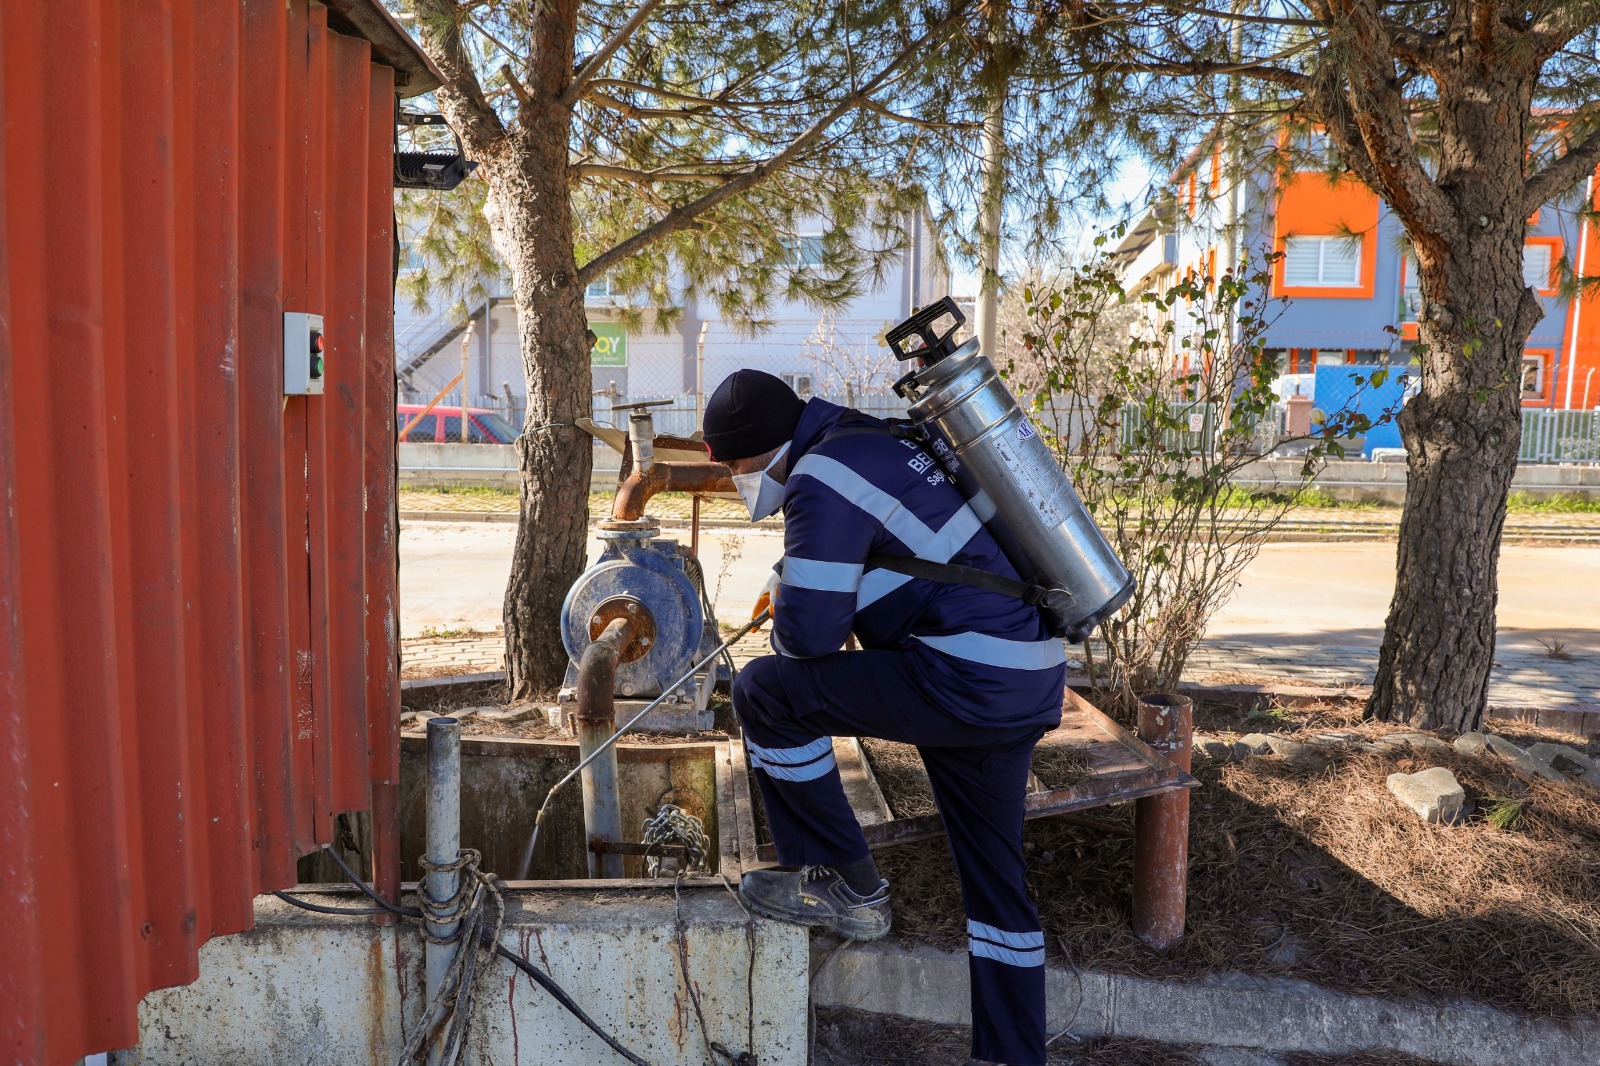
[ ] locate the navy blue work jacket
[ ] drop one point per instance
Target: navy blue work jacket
(850, 494)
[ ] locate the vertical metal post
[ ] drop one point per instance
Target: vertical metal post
(443, 809)
(700, 376)
(597, 721)
(1161, 826)
(466, 376)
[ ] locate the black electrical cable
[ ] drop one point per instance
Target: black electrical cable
(320, 909)
(542, 979)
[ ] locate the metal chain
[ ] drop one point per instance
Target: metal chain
(671, 824)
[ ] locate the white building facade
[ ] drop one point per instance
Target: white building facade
(836, 353)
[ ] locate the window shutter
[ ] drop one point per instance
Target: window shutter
(1341, 262)
(1536, 265)
(1301, 261)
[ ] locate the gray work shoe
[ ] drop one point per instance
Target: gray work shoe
(817, 895)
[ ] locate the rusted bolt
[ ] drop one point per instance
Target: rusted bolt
(633, 608)
(644, 642)
(595, 620)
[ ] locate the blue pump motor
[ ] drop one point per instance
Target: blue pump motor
(658, 585)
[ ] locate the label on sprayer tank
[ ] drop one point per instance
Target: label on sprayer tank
(1035, 472)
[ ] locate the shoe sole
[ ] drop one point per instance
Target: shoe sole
(794, 919)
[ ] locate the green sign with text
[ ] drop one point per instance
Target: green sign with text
(610, 346)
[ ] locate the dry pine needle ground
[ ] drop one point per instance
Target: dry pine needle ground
(1322, 875)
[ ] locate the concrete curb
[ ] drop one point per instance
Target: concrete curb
(1331, 535)
(1234, 1010)
(1582, 718)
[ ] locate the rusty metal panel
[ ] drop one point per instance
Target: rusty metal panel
(197, 574)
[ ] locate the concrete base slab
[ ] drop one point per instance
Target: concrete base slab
(1231, 1011)
(305, 988)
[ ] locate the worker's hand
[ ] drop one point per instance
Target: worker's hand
(768, 600)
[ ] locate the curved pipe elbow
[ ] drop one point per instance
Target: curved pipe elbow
(636, 491)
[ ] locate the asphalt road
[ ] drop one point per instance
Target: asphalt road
(453, 576)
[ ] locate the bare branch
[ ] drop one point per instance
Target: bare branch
(570, 95)
(920, 123)
(517, 88)
(579, 171)
(1385, 153)
(1289, 79)
(461, 97)
(683, 216)
(1562, 174)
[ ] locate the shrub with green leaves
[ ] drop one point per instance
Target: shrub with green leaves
(1152, 422)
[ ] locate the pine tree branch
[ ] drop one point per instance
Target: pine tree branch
(1366, 116)
(461, 97)
(1563, 21)
(1261, 71)
(579, 171)
(518, 90)
(684, 216)
(592, 66)
(1561, 175)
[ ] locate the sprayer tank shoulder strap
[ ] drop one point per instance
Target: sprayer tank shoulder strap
(947, 573)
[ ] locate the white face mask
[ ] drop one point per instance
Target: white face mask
(761, 494)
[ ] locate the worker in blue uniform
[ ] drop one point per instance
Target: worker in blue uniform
(967, 675)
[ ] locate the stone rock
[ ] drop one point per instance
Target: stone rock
(1334, 739)
(1298, 755)
(1212, 748)
(1568, 761)
(1253, 744)
(1521, 761)
(1471, 744)
(1434, 795)
(1418, 742)
(517, 712)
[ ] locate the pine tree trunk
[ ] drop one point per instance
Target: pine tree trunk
(530, 216)
(1463, 431)
(532, 225)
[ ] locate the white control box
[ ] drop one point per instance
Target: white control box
(303, 346)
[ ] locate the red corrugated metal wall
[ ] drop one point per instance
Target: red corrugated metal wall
(197, 574)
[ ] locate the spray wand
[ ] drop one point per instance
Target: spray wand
(533, 839)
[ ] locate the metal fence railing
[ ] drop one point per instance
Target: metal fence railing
(1560, 437)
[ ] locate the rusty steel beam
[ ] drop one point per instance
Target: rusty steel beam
(1161, 826)
(597, 721)
(639, 486)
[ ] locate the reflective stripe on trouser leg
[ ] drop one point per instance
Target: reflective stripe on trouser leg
(980, 792)
(810, 819)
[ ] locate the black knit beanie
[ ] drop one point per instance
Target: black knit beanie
(751, 412)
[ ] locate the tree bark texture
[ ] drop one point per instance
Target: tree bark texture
(531, 221)
(530, 217)
(1463, 430)
(533, 229)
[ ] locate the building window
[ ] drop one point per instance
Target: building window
(1532, 377)
(599, 290)
(1410, 288)
(1322, 262)
(1313, 150)
(1332, 357)
(804, 250)
(800, 383)
(1536, 266)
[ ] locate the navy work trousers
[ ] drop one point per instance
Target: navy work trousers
(791, 707)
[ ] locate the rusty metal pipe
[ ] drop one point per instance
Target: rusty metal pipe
(639, 486)
(1161, 826)
(597, 721)
(538, 820)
